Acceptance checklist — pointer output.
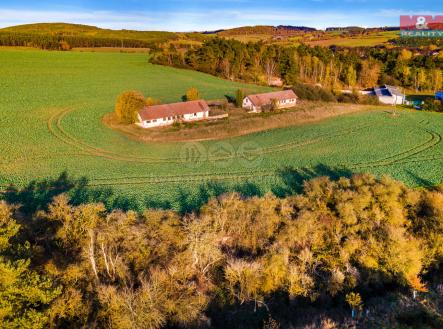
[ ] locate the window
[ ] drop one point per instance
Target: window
(148, 121)
(155, 120)
(195, 114)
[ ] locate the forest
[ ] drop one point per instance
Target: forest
(333, 68)
(357, 250)
(64, 36)
(63, 42)
(417, 42)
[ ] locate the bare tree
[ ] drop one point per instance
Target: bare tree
(270, 70)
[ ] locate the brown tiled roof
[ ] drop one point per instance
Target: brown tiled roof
(266, 98)
(171, 110)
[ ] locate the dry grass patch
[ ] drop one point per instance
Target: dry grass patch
(239, 123)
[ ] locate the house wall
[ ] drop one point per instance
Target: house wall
(170, 120)
(367, 92)
(197, 116)
(287, 103)
(247, 104)
(391, 100)
(401, 100)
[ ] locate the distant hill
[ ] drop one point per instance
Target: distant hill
(281, 30)
(43, 28)
(62, 35)
(296, 28)
(213, 32)
(77, 30)
(360, 29)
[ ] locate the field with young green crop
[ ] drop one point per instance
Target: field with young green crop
(51, 105)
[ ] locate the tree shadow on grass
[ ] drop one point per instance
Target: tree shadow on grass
(230, 98)
(290, 181)
(293, 179)
(188, 201)
(38, 194)
(420, 181)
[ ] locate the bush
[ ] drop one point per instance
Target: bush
(64, 46)
(150, 101)
(432, 105)
(369, 100)
(127, 106)
(313, 93)
(357, 98)
(239, 97)
(348, 98)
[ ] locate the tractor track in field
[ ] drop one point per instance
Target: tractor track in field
(171, 180)
(435, 139)
(56, 129)
(410, 155)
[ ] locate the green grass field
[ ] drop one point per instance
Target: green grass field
(51, 105)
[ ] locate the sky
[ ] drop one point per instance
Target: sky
(208, 15)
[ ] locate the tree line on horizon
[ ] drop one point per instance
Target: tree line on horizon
(67, 42)
(257, 62)
(235, 263)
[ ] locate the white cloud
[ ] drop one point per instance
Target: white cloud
(196, 20)
(391, 13)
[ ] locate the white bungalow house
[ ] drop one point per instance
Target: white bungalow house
(387, 95)
(167, 114)
(284, 98)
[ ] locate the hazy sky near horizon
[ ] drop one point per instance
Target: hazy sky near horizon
(199, 15)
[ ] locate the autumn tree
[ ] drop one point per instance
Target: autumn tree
(128, 105)
(270, 68)
(369, 73)
(25, 295)
(333, 68)
(275, 104)
(436, 79)
(150, 101)
(355, 302)
(351, 76)
(64, 45)
(405, 55)
(420, 79)
(117, 269)
(192, 94)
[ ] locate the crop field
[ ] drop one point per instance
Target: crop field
(51, 105)
(371, 40)
(328, 39)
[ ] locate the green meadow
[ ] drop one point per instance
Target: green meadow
(52, 103)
